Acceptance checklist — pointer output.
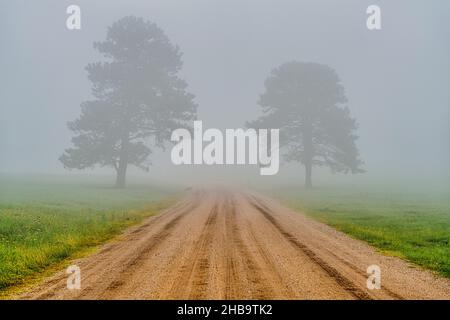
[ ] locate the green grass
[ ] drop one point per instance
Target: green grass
(45, 220)
(415, 227)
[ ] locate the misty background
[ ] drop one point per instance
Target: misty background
(397, 80)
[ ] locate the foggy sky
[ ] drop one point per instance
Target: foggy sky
(397, 80)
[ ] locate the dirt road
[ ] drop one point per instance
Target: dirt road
(227, 245)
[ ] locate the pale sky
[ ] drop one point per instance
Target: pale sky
(397, 79)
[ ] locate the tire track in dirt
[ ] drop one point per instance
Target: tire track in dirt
(345, 283)
(232, 278)
(260, 288)
(223, 244)
(129, 264)
(336, 257)
(364, 275)
(130, 267)
(270, 263)
(192, 281)
(133, 263)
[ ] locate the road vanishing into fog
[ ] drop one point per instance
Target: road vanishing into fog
(222, 244)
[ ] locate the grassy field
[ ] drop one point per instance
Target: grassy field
(45, 220)
(413, 226)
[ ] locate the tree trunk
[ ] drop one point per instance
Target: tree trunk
(121, 176)
(308, 175)
(123, 164)
(308, 152)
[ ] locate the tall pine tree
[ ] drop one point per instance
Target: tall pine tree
(306, 101)
(138, 98)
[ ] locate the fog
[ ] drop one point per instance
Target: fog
(397, 79)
